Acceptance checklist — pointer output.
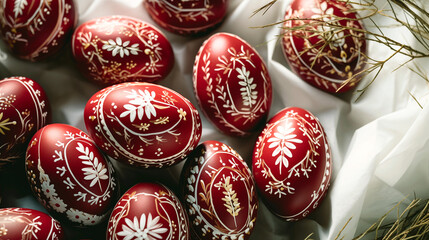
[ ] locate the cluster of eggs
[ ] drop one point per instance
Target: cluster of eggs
(143, 124)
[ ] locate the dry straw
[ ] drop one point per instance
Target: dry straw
(412, 223)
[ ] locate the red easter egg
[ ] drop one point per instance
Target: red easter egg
(219, 193)
(115, 49)
(143, 124)
(37, 29)
(232, 85)
(330, 53)
(24, 223)
(24, 109)
(70, 176)
(292, 163)
(148, 211)
(187, 17)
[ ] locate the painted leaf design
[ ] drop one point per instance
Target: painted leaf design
(161, 120)
(96, 171)
(139, 105)
(19, 6)
(248, 93)
(230, 198)
(4, 124)
(283, 141)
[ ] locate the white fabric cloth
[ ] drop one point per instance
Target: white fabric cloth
(379, 143)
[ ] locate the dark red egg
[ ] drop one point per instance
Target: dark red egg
(232, 85)
(292, 163)
(24, 223)
(143, 124)
(24, 109)
(326, 45)
(37, 29)
(187, 17)
(219, 193)
(148, 211)
(115, 49)
(69, 175)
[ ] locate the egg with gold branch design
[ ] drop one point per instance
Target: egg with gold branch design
(219, 193)
(37, 29)
(24, 109)
(116, 49)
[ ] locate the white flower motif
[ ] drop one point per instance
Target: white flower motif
(283, 141)
(333, 35)
(323, 12)
(329, 31)
(139, 105)
(48, 190)
(248, 92)
(85, 38)
(58, 204)
(78, 216)
(13, 37)
(120, 47)
(146, 229)
(92, 219)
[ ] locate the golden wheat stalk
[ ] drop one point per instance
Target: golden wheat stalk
(230, 198)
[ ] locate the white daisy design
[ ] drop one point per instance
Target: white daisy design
(140, 104)
(87, 219)
(120, 47)
(75, 215)
(147, 229)
(58, 204)
(92, 219)
(48, 190)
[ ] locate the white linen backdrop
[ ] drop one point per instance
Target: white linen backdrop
(379, 143)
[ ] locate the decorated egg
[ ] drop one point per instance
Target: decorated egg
(292, 163)
(232, 84)
(325, 43)
(115, 49)
(24, 109)
(23, 223)
(148, 211)
(37, 29)
(187, 17)
(143, 124)
(70, 176)
(219, 193)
